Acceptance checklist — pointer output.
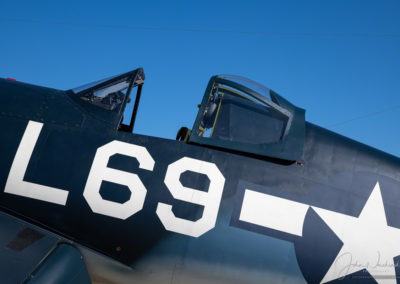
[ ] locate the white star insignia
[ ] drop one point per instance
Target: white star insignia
(368, 242)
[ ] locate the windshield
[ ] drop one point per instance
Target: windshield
(109, 98)
(110, 93)
(87, 86)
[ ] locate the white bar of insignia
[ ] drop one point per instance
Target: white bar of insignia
(273, 212)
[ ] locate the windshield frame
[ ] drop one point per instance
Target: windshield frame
(112, 117)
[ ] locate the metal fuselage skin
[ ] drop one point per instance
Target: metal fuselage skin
(335, 174)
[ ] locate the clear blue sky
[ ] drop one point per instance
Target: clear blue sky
(339, 60)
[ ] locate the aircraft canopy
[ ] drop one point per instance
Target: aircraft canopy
(240, 114)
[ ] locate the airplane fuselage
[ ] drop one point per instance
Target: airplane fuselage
(178, 212)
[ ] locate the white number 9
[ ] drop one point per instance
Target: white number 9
(210, 200)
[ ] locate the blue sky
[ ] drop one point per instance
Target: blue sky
(340, 60)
